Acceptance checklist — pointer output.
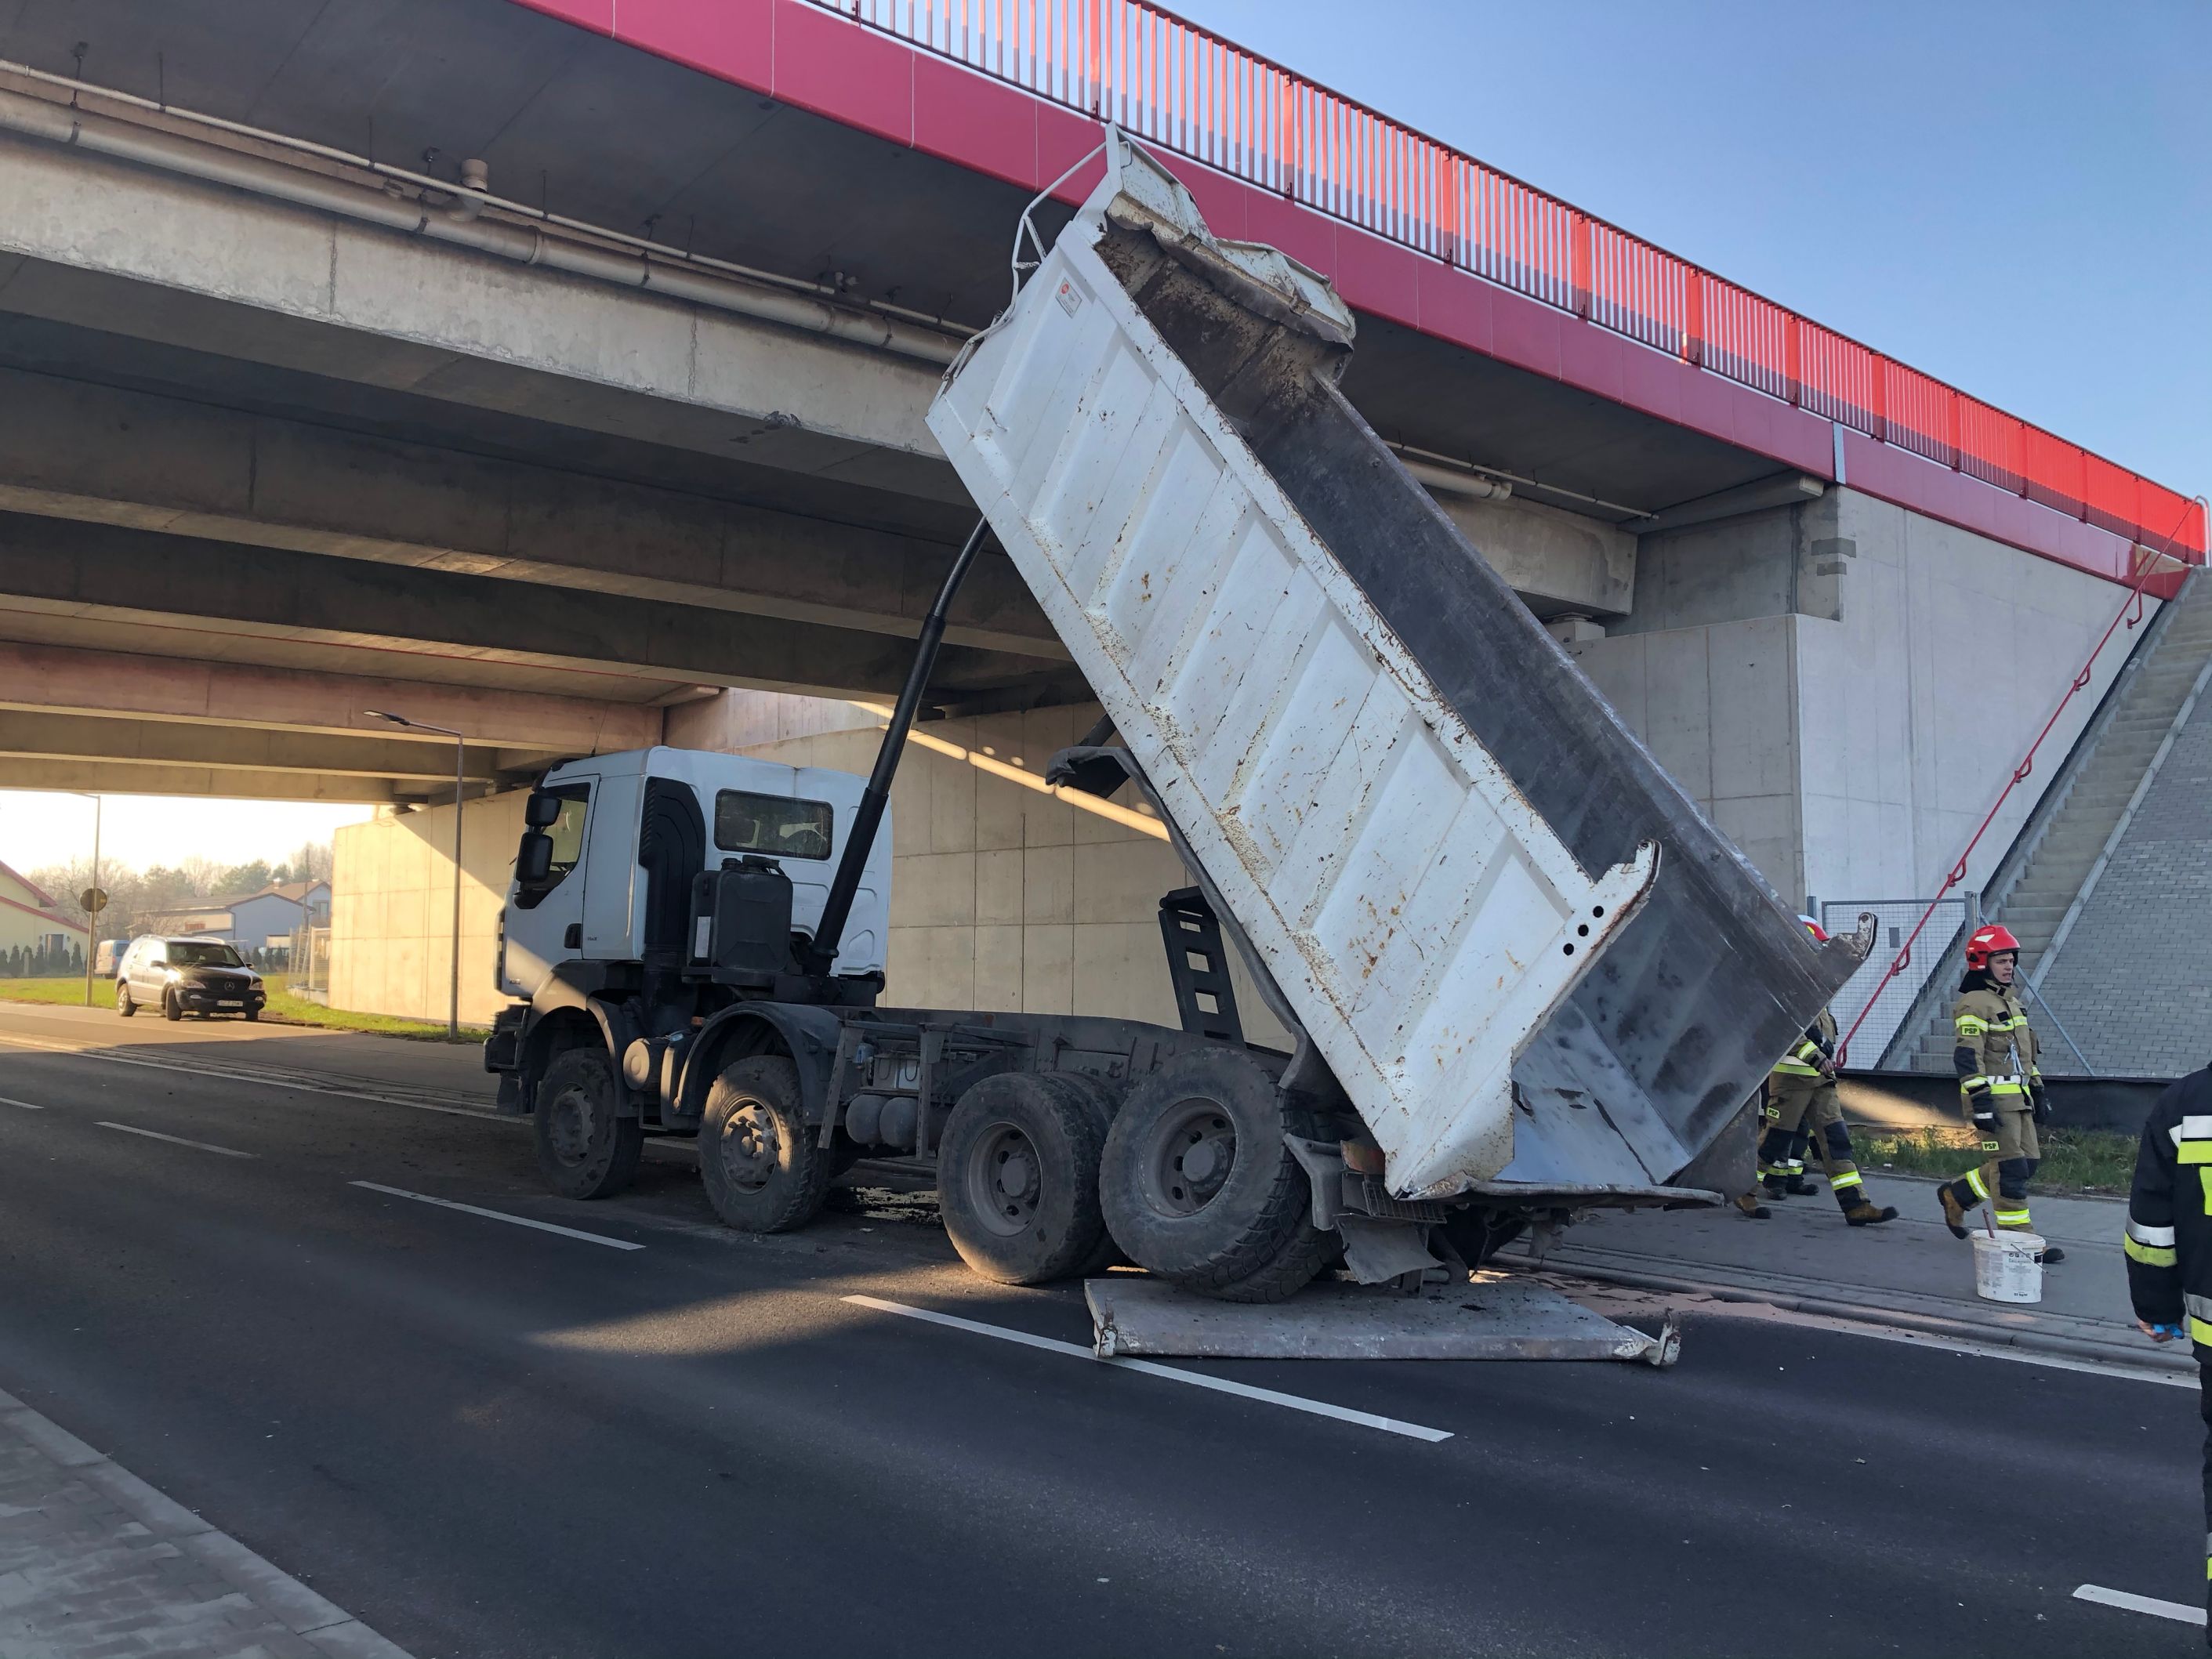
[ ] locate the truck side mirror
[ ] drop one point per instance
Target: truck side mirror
(533, 860)
(541, 811)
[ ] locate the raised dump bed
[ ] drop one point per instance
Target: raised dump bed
(1528, 960)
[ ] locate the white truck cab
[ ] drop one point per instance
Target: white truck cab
(634, 827)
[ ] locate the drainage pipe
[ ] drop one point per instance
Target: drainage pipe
(461, 225)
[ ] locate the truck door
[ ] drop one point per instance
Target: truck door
(544, 922)
(611, 918)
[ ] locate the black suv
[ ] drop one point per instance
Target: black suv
(181, 976)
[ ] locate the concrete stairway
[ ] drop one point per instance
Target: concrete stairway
(2107, 780)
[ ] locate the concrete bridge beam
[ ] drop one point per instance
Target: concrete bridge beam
(139, 688)
(104, 777)
(51, 737)
(125, 575)
(74, 449)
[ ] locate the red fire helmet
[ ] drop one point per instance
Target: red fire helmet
(1819, 933)
(1988, 942)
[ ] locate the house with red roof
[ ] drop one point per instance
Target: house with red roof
(31, 918)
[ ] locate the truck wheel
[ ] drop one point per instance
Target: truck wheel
(1101, 1098)
(124, 1005)
(1017, 1179)
(765, 1171)
(1303, 1257)
(1196, 1182)
(584, 1150)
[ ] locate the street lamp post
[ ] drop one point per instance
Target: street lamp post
(91, 914)
(460, 760)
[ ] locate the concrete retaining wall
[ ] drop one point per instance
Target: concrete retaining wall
(1844, 686)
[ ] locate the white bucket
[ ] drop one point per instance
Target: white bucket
(2009, 1267)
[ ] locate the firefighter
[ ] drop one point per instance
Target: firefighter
(2169, 1242)
(2002, 1088)
(1801, 1110)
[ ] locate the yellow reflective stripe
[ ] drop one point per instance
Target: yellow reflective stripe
(2195, 1151)
(2199, 1330)
(1974, 1180)
(2012, 1218)
(2015, 1087)
(2151, 1255)
(1843, 1181)
(1791, 1068)
(2205, 1180)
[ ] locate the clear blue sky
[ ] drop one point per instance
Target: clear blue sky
(2015, 197)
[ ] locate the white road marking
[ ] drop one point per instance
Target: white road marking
(27, 1106)
(1196, 1379)
(501, 1215)
(177, 1140)
(267, 1080)
(1637, 1300)
(2134, 1603)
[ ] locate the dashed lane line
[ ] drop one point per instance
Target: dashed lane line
(267, 1080)
(176, 1140)
(500, 1215)
(1172, 1374)
(2131, 1602)
(27, 1105)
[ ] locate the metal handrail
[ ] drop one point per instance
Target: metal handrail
(2134, 602)
(1184, 89)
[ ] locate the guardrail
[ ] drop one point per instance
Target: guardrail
(1187, 90)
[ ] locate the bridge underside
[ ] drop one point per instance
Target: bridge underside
(243, 437)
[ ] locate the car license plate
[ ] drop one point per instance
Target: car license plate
(234, 1002)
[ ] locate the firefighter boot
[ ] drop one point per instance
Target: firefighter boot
(1954, 1213)
(1860, 1213)
(1751, 1208)
(2052, 1253)
(1800, 1186)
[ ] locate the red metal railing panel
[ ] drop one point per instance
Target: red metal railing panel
(1178, 86)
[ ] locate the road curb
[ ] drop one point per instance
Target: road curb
(314, 1618)
(1970, 1330)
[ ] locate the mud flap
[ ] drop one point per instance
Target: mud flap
(1494, 1317)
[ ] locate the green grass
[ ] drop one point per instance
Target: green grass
(2074, 1160)
(283, 1008)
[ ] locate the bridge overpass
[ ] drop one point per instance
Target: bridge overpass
(554, 370)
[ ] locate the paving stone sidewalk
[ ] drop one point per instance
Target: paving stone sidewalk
(1908, 1271)
(94, 1563)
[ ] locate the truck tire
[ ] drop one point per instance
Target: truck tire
(1101, 1099)
(1017, 1179)
(1303, 1256)
(1196, 1182)
(583, 1149)
(765, 1171)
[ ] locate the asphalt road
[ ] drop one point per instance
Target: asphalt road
(487, 1439)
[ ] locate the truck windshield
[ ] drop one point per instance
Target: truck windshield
(779, 825)
(201, 953)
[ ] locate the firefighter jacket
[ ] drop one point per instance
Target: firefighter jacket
(1995, 1045)
(1818, 1045)
(2169, 1237)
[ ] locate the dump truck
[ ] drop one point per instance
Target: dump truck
(1522, 976)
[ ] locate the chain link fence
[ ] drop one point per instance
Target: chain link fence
(1894, 919)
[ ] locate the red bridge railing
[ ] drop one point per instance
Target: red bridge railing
(1186, 90)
